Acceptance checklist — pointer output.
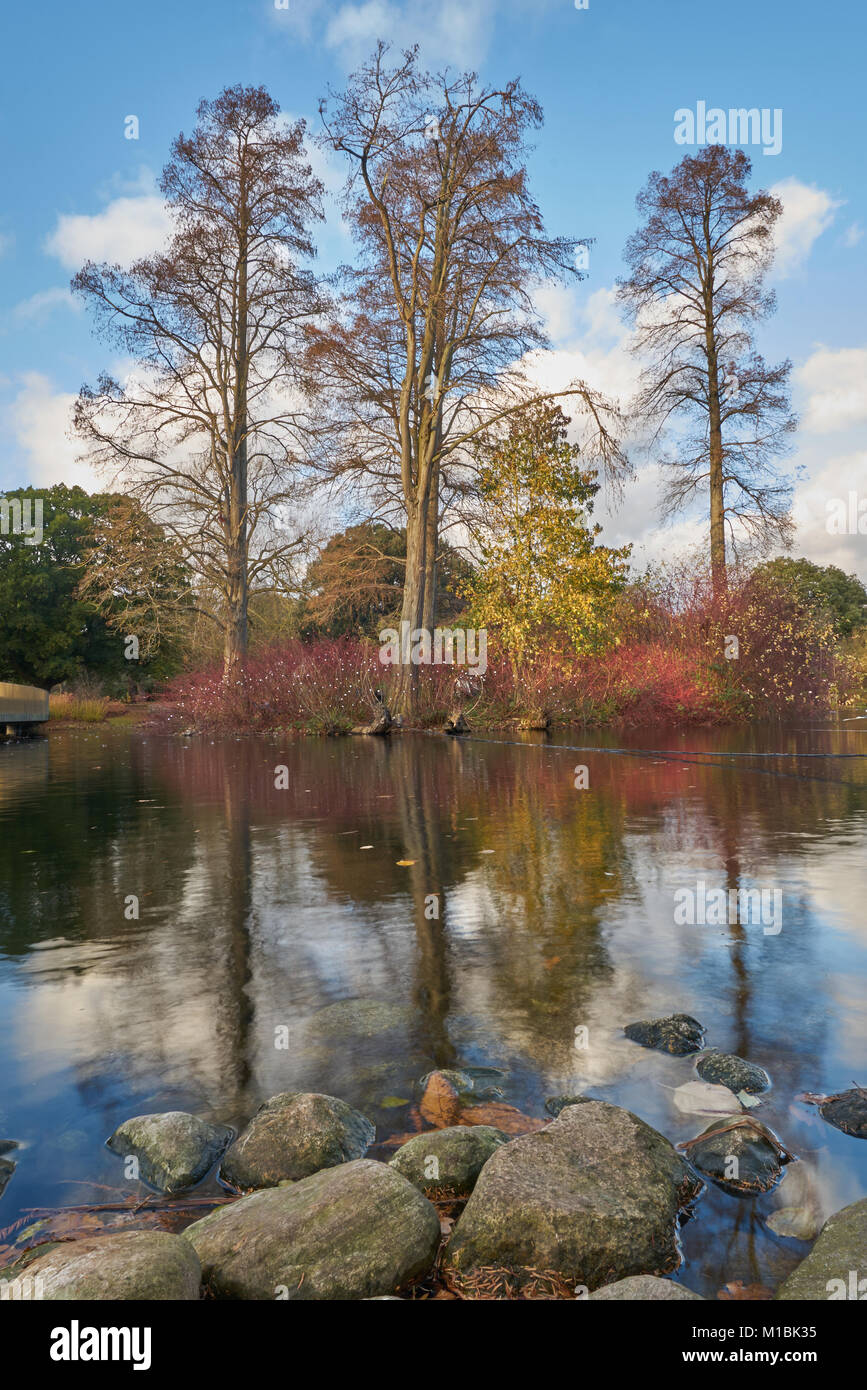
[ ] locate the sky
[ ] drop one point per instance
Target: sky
(611, 77)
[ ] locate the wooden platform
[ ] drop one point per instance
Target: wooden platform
(21, 707)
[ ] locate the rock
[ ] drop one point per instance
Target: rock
(725, 1069)
(448, 1159)
(152, 1265)
(592, 1197)
(362, 1018)
(646, 1286)
(7, 1165)
(741, 1156)
(293, 1135)
(847, 1110)
(678, 1034)
(555, 1104)
(357, 1231)
(174, 1150)
(837, 1263)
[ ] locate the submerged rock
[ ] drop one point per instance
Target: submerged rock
(152, 1265)
(646, 1286)
(293, 1135)
(836, 1267)
(593, 1197)
(741, 1156)
(361, 1018)
(353, 1232)
(725, 1069)
(678, 1034)
(556, 1104)
(174, 1150)
(448, 1159)
(847, 1110)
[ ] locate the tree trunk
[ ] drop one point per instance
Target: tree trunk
(429, 607)
(235, 654)
(717, 501)
(412, 609)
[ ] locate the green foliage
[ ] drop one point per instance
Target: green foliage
(51, 631)
(824, 589)
(544, 584)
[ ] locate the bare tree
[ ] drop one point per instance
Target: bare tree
(695, 293)
(439, 316)
(208, 429)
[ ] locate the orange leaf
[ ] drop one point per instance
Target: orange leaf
(739, 1290)
(504, 1117)
(440, 1105)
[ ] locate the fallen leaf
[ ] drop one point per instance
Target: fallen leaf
(504, 1117)
(440, 1104)
(737, 1290)
(392, 1102)
(706, 1098)
(404, 863)
(551, 962)
(749, 1101)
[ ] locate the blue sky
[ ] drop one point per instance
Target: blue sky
(610, 78)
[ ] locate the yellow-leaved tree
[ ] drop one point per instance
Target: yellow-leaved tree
(543, 584)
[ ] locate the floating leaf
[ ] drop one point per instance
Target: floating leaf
(393, 1102)
(404, 863)
(749, 1101)
(705, 1098)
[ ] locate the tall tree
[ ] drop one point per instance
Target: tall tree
(438, 318)
(695, 293)
(208, 430)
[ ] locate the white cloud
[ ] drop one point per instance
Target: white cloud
(835, 380)
(827, 481)
(853, 235)
(39, 420)
(37, 308)
(132, 225)
(807, 212)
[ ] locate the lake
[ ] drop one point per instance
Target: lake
(385, 907)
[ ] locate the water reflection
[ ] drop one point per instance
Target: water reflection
(524, 908)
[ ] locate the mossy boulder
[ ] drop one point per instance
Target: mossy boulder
(174, 1150)
(593, 1197)
(293, 1135)
(725, 1069)
(646, 1287)
(836, 1267)
(149, 1265)
(448, 1160)
(678, 1034)
(357, 1231)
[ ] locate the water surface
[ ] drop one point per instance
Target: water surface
(260, 912)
